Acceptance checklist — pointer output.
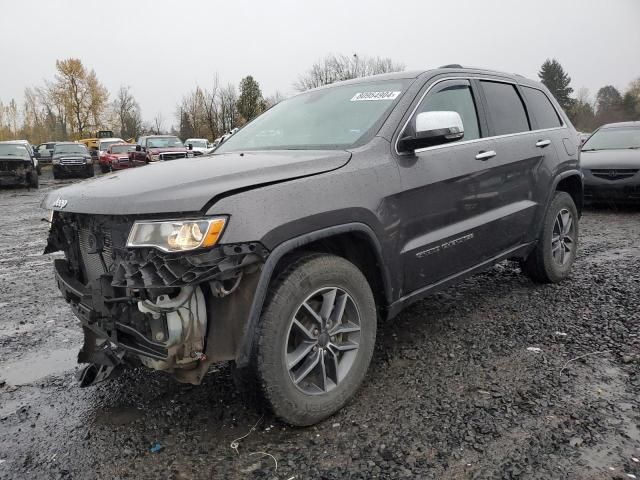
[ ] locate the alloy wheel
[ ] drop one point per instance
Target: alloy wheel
(562, 238)
(322, 341)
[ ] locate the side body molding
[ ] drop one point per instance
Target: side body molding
(244, 351)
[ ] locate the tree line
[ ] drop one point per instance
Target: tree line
(588, 113)
(74, 103)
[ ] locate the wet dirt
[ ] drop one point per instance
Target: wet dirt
(453, 390)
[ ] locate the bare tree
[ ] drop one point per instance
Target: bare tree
(334, 68)
(158, 124)
(127, 111)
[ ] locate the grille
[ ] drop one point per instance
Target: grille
(72, 161)
(93, 267)
(10, 166)
(172, 156)
(613, 173)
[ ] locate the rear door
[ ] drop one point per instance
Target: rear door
(520, 152)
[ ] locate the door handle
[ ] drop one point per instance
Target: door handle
(485, 155)
(543, 143)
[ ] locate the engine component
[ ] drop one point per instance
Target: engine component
(180, 324)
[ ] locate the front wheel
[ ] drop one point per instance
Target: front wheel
(315, 339)
(553, 257)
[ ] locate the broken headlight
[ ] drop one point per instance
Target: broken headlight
(177, 235)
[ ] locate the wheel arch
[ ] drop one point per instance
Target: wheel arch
(355, 242)
(571, 183)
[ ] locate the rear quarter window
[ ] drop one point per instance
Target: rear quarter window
(506, 110)
(540, 106)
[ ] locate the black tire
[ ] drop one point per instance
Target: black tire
(268, 377)
(39, 169)
(104, 168)
(33, 179)
(541, 265)
(56, 175)
(90, 171)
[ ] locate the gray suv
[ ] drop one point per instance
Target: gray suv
(333, 209)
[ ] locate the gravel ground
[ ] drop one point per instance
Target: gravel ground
(494, 378)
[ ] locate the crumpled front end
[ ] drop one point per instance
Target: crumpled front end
(175, 312)
(13, 172)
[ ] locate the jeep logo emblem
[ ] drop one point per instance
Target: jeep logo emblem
(60, 203)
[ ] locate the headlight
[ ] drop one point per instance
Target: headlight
(155, 158)
(89, 161)
(178, 235)
(189, 154)
(55, 161)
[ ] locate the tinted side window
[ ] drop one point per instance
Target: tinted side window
(542, 109)
(506, 110)
(454, 97)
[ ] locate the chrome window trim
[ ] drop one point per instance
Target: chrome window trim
(444, 145)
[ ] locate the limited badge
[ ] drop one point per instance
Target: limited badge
(374, 96)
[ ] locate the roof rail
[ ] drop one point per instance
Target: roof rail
(452, 65)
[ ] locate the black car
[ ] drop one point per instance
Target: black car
(334, 208)
(70, 159)
(610, 160)
(17, 165)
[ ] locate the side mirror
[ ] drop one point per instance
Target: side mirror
(191, 146)
(433, 128)
(36, 154)
(138, 148)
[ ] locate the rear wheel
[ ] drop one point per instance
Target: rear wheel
(315, 339)
(553, 257)
(104, 168)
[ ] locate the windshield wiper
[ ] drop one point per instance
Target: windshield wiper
(591, 149)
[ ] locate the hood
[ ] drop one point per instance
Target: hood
(187, 185)
(14, 159)
(610, 159)
(157, 150)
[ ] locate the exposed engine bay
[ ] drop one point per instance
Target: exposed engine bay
(142, 306)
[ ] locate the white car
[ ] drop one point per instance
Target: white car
(199, 146)
(105, 143)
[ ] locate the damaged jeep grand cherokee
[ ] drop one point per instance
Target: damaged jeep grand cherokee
(333, 209)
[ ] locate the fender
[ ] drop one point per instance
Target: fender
(561, 176)
(244, 350)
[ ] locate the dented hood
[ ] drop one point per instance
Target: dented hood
(188, 185)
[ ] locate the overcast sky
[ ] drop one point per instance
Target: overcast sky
(164, 48)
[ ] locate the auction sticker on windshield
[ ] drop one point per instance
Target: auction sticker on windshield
(371, 96)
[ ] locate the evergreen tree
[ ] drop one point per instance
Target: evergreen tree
(553, 76)
(250, 102)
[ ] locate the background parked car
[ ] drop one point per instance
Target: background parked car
(610, 162)
(71, 159)
(44, 152)
(31, 151)
(17, 165)
(117, 157)
(199, 146)
(153, 148)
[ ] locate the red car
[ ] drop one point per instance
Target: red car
(117, 157)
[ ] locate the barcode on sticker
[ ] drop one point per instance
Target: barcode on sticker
(373, 96)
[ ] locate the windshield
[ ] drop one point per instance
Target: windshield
(334, 117)
(69, 148)
(164, 142)
(613, 139)
(8, 150)
(105, 145)
(123, 148)
(197, 143)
